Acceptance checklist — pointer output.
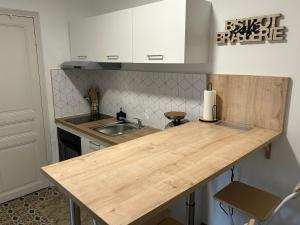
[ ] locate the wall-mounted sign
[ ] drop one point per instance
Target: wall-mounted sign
(252, 29)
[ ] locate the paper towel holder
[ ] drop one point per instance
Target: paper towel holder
(215, 115)
(209, 86)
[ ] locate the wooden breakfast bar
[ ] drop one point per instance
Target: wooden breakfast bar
(131, 182)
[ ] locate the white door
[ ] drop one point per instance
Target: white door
(22, 138)
(83, 39)
(159, 32)
(115, 36)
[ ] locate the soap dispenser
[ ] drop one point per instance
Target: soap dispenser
(121, 115)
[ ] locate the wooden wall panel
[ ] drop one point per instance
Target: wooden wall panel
(252, 100)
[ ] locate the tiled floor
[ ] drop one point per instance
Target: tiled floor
(45, 207)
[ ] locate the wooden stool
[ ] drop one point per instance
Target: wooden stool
(254, 202)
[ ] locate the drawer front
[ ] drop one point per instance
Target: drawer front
(89, 146)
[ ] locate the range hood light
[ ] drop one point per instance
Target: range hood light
(88, 65)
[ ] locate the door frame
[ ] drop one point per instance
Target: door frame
(41, 72)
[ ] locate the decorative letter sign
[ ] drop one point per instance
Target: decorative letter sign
(252, 29)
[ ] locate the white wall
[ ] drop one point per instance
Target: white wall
(281, 173)
(104, 6)
(54, 17)
(277, 59)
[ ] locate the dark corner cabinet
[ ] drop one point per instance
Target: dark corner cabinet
(69, 145)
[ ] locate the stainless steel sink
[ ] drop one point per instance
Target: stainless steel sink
(119, 128)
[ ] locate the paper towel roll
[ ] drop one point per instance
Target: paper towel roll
(210, 99)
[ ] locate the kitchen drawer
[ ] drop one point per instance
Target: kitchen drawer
(88, 145)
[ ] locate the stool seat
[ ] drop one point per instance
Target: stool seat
(250, 200)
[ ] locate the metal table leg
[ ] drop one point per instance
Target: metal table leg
(190, 209)
(95, 222)
(74, 213)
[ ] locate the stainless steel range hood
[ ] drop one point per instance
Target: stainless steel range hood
(88, 65)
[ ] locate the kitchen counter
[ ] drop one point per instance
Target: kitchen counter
(87, 128)
(130, 182)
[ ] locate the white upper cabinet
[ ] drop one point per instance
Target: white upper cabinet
(159, 32)
(83, 40)
(171, 31)
(103, 38)
(166, 31)
(114, 32)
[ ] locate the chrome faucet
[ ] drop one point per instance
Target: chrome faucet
(124, 119)
(139, 122)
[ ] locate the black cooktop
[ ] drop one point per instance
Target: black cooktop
(87, 118)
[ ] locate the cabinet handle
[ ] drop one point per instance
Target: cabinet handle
(155, 57)
(95, 144)
(82, 57)
(112, 57)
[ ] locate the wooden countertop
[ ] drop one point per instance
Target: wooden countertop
(87, 128)
(130, 182)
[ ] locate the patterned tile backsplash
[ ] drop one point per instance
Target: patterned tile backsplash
(68, 91)
(146, 95)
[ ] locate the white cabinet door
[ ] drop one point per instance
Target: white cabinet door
(159, 32)
(88, 146)
(114, 32)
(83, 39)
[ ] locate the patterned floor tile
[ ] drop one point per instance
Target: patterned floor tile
(45, 207)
